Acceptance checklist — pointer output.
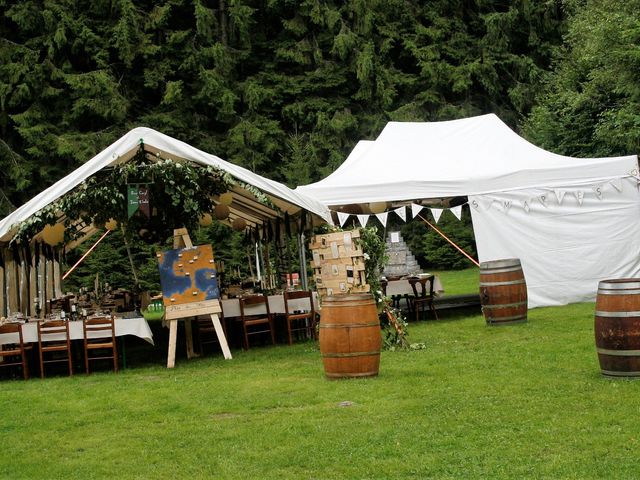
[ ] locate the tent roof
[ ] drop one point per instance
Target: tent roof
(471, 156)
(155, 142)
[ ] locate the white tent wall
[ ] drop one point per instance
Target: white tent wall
(567, 248)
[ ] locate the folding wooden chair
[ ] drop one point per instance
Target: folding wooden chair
(256, 324)
(54, 344)
(301, 319)
(13, 354)
(100, 341)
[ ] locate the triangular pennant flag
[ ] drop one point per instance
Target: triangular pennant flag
(579, 194)
(617, 184)
(543, 199)
(383, 218)
(559, 195)
(436, 212)
(506, 205)
(457, 211)
(363, 219)
(597, 189)
(342, 217)
(402, 213)
(415, 209)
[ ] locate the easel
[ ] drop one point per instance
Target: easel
(185, 311)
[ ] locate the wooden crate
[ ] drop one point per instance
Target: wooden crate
(338, 263)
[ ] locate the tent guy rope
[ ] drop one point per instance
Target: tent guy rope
(450, 241)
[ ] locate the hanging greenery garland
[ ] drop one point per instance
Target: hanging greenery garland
(179, 195)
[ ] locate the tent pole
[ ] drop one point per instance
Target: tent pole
(68, 272)
(303, 262)
(450, 241)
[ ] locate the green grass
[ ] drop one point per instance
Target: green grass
(523, 401)
(459, 282)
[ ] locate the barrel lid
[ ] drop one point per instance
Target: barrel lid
(619, 284)
(506, 262)
(341, 297)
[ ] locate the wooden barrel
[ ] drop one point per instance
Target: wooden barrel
(350, 337)
(617, 327)
(503, 292)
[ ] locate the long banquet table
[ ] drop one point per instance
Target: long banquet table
(231, 306)
(124, 326)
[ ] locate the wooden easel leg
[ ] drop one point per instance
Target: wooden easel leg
(173, 334)
(221, 337)
(188, 333)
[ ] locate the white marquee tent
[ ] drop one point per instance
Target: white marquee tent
(571, 221)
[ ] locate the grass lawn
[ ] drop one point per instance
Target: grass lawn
(522, 401)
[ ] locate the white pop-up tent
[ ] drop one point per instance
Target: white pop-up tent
(245, 205)
(571, 221)
(27, 281)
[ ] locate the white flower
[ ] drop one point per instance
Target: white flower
(366, 256)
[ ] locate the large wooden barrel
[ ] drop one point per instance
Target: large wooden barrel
(617, 327)
(350, 337)
(503, 292)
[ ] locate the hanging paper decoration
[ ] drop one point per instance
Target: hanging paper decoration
(436, 212)
(597, 189)
(415, 209)
(617, 184)
(579, 194)
(383, 218)
(258, 274)
(457, 211)
(559, 195)
(363, 219)
(342, 217)
(506, 205)
(377, 207)
(543, 199)
(402, 213)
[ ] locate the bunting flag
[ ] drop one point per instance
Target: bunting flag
(383, 218)
(402, 213)
(457, 211)
(415, 209)
(506, 205)
(597, 189)
(342, 217)
(559, 195)
(579, 194)
(617, 184)
(363, 219)
(436, 212)
(543, 199)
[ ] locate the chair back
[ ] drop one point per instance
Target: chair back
(252, 301)
(15, 332)
(53, 331)
(99, 328)
(14, 347)
(422, 281)
(300, 305)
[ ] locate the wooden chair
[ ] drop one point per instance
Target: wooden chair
(100, 341)
(54, 343)
(422, 297)
(207, 333)
(258, 323)
(13, 354)
(302, 319)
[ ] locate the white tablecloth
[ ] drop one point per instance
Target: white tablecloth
(124, 326)
(402, 287)
(231, 307)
